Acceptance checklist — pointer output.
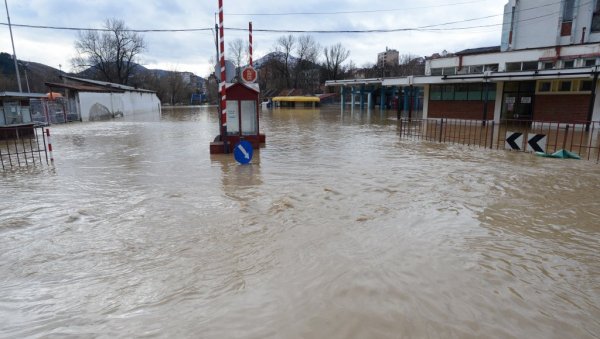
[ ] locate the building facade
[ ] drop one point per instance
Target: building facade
(545, 69)
(390, 57)
(99, 100)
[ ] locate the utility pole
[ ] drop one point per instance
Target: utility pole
(13, 47)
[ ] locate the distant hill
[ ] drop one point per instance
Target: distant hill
(32, 73)
(38, 74)
(279, 56)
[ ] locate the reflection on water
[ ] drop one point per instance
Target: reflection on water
(337, 229)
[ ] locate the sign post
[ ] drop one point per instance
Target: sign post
(223, 87)
(243, 152)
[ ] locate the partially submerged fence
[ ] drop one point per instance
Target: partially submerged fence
(23, 146)
(581, 138)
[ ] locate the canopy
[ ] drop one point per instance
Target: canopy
(297, 99)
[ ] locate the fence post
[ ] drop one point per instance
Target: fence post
(49, 145)
(441, 128)
(492, 134)
(400, 127)
(566, 136)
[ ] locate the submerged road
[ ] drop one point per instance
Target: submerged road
(337, 229)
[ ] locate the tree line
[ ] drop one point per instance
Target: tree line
(294, 62)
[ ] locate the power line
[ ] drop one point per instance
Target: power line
(355, 12)
(366, 31)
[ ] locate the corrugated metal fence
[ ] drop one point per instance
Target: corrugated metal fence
(518, 135)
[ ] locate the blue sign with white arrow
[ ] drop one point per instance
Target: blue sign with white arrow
(243, 152)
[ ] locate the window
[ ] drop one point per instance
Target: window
(589, 62)
(448, 92)
(249, 117)
(476, 69)
(513, 66)
(233, 122)
(544, 86)
(568, 10)
(596, 17)
(585, 85)
(449, 70)
(462, 92)
(521, 66)
(569, 64)
(435, 92)
(530, 65)
(491, 91)
(475, 92)
(436, 71)
(471, 92)
(491, 67)
(526, 86)
(567, 21)
(564, 86)
(548, 65)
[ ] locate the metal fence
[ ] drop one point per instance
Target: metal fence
(57, 111)
(581, 138)
(22, 146)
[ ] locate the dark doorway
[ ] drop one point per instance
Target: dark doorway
(517, 100)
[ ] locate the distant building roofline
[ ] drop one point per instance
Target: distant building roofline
(22, 95)
(107, 84)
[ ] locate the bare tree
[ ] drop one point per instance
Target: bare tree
(112, 54)
(284, 46)
(334, 58)
(307, 51)
(237, 53)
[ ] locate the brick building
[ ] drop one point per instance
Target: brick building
(545, 68)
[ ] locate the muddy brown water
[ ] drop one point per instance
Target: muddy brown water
(338, 229)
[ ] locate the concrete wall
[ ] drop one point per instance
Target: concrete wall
(131, 106)
(537, 23)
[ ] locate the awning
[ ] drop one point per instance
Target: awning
(297, 99)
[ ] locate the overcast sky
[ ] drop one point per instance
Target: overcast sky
(193, 51)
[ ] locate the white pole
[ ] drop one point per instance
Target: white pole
(13, 47)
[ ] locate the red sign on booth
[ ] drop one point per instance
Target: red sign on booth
(249, 74)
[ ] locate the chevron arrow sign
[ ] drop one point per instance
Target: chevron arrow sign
(536, 143)
(514, 141)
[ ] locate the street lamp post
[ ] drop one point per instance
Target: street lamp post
(13, 47)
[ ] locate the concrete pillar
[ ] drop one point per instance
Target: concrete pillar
(362, 97)
(342, 99)
(426, 101)
(498, 103)
(352, 97)
(370, 100)
(382, 98)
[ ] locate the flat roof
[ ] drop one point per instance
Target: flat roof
(21, 95)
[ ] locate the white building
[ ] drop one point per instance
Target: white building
(99, 100)
(544, 69)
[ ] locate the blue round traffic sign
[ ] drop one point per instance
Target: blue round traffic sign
(243, 152)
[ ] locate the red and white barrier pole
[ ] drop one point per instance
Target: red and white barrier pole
(223, 79)
(49, 145)
(250, 43)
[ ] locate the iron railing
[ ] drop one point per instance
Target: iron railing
(22, 146)
(581, 138)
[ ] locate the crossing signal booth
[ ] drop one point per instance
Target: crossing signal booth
(242, 118)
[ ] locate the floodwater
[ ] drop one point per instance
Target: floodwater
(338, 229)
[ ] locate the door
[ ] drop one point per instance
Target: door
(517, 100)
